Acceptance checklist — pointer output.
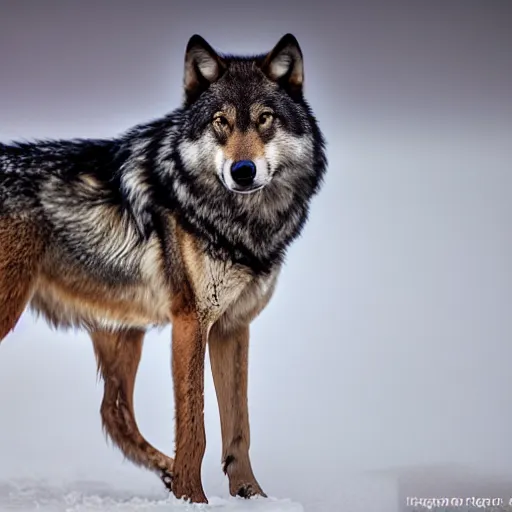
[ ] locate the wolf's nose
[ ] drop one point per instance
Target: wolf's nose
(243, 172)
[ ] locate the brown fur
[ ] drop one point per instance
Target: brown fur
(78, 297)
(118, 355)
(241, 145)
(229, 362)
(244, 146)
(189, 338)
(20, 254)
(205, 300)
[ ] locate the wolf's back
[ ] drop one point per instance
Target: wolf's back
(18, 185)
(26, 170)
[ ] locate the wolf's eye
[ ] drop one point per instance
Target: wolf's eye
(221, 122)
(265, 119)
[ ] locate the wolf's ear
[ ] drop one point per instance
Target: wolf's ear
(202, 67)
(285, 65)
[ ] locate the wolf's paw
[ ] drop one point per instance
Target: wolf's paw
(166, 477)
(247, 490)
(186, 491)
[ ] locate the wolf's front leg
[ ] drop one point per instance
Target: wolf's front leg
(189, 337)
(229, 360)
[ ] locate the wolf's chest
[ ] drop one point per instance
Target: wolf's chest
(225, 291)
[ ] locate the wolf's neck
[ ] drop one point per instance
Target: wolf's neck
(256, 236)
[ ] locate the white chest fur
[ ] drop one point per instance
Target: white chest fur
(226, 290)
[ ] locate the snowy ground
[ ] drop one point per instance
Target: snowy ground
(27, 496)
(379, 491)
(353, 493)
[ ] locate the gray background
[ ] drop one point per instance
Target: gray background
(387, 346)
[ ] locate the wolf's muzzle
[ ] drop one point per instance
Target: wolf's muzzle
(243, 172)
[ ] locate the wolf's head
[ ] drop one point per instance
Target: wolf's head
(247, 125)
(241, 159)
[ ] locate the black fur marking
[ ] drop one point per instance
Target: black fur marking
(167, 479)
(244, 492)
(229, 460)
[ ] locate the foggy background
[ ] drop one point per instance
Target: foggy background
(388, 345)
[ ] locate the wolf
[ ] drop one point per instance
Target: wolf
(184, 220)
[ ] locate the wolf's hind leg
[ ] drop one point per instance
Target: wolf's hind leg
(118, 355)
(20, 253)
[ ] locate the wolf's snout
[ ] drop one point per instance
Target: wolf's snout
(243, 172)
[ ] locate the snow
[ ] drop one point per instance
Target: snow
(379, 491)
(27, 496)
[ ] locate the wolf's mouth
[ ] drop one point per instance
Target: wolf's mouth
(246, 191)
(251, 189)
